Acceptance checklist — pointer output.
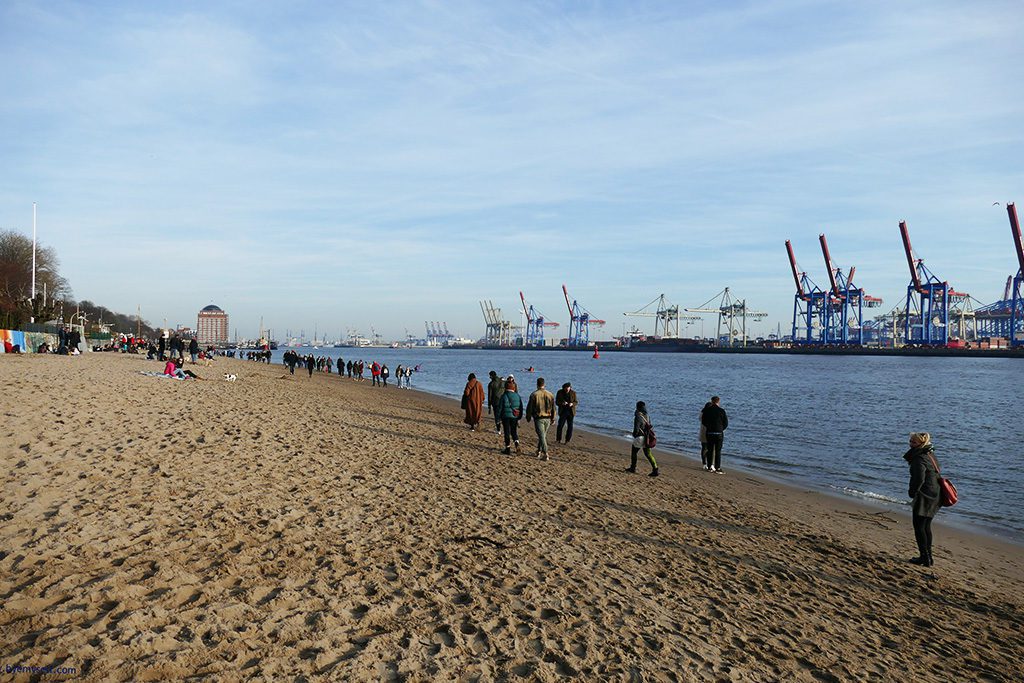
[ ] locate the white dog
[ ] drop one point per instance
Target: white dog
(231, 378)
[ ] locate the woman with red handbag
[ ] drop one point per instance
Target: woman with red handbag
(924, 489)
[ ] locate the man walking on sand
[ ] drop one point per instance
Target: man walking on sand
(566, 402)
(495, 389)
(715, 423)
(541, 409)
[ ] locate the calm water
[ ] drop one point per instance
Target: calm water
(836, 423)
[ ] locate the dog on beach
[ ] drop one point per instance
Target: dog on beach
(230, 378)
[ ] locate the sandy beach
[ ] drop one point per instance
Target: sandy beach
(280, 527)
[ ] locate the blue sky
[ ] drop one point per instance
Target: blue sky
(355, 164)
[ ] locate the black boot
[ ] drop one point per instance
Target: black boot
(653, 473)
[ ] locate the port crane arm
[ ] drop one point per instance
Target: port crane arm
(567, 304)
(1011, 211)
(905, 234)
(525, 311)
(828, 265)
(796, 274)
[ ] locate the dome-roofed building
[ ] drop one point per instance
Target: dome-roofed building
(212, 326)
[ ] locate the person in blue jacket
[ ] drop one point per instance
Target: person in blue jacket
(510, 408)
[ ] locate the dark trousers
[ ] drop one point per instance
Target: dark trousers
(510, 426)
(564, 421)
(714, 447)
(291, 368)
(310, 368)
(704, 453)
(384, 379)
(923, 535)
(497, 418)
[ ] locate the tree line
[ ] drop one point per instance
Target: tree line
(53, 299)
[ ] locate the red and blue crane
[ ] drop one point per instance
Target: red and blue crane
(843, 319)
(535, 324)
(1005, 318)
(809, 305)
(926, 318)
(580, 321)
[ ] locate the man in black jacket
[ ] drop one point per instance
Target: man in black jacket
(715, 422)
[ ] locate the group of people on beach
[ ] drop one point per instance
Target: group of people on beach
(356, 370)
(506, 407)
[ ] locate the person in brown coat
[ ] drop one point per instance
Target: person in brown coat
(473, 402)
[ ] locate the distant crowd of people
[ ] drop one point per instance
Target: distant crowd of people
(355, 369)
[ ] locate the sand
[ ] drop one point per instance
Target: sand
(282, 528)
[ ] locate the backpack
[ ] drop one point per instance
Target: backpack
(650, 439)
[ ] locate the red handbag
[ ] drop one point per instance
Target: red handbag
(947, 491)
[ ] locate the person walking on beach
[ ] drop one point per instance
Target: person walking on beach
(924, 489)
(348, 367)
(702, 434)
(375, 374)
(495, 388)
(384, 374)
(566, 401)
(510, 410)
(193, 350)
(541, 409)
(473, 401)
(641, 425)
(310, 364)
(715, 423)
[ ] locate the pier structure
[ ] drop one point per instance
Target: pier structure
(733, 314)
(809, 305)
(929, 302)
(535, 324)
(580, 321)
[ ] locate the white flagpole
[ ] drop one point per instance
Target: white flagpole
(33, 318)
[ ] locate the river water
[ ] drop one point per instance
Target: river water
(836, 423)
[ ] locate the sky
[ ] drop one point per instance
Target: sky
(342, 166)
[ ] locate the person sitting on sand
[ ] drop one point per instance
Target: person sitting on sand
(473, 402)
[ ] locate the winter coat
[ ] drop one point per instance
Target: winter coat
(714, 419)
(567, 402)
(510, 401)
(924, 481)
(640, 422)
(495, 389)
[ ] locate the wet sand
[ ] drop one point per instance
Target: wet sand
(281, 527)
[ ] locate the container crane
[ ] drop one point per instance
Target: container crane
(1005, 318)
(809, 305)
(926, 318)
(535, 324)
(844, 313)
(729, 310)
(666, 317)
(580, 321)
(1017, 295)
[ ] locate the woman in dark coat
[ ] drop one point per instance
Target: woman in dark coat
(641, 423)
(924, 489)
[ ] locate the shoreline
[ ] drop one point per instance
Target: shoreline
(690, 458)
(283, 526)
